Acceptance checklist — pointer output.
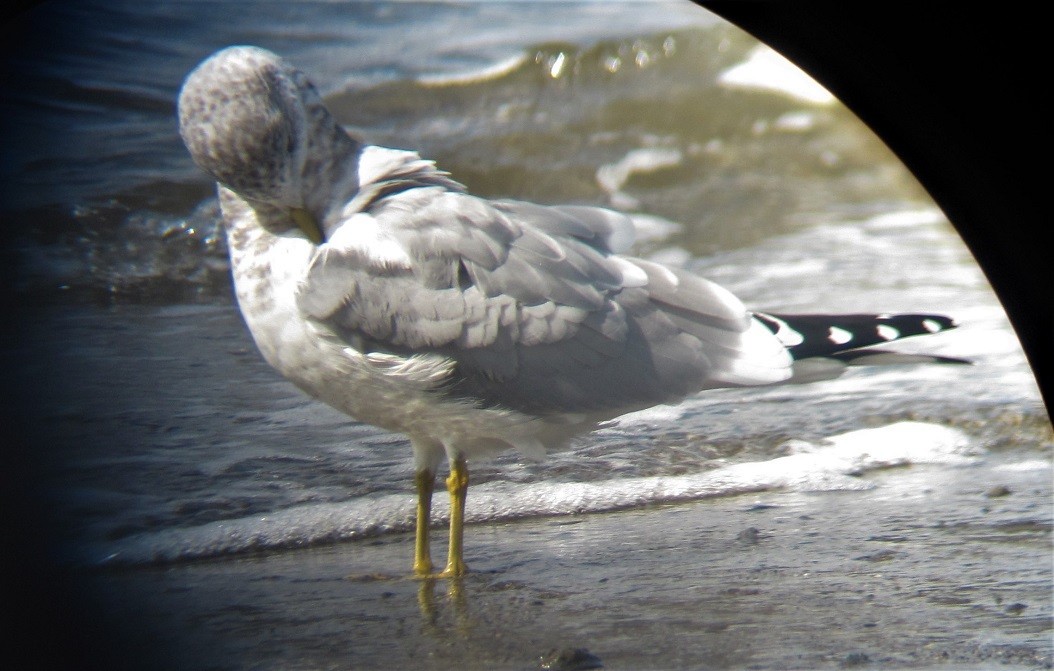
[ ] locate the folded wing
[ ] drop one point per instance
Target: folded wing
(532, 305)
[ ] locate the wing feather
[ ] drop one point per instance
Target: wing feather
(530, 304)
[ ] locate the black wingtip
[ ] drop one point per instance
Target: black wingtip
(824, 335)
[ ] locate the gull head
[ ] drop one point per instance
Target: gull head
(259, 127)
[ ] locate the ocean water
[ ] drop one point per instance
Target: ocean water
(163, 436)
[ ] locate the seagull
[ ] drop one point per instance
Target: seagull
(377, 284)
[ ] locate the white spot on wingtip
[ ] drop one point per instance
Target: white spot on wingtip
(887, 332)
(839, 336)
(931, 325)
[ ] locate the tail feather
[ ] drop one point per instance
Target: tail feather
(841, 336)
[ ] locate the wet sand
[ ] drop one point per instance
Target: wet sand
(936, 567)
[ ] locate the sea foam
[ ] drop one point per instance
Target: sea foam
(837, 463)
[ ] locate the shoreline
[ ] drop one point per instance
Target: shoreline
(936, 567)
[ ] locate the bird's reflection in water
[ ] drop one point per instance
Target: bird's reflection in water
(454, 602)
(492, 634)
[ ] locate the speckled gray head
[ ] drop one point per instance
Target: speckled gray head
(258, 126)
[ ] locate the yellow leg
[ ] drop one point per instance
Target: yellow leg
(425, 483)
(457, 485)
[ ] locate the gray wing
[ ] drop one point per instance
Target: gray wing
(532, 305)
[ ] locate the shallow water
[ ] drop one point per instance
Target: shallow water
(163, 438)
(923, 571)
